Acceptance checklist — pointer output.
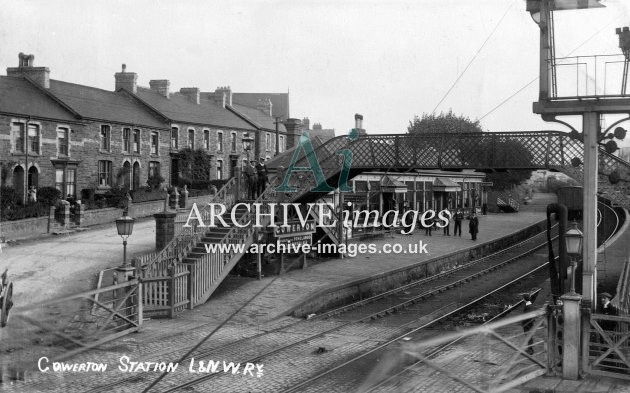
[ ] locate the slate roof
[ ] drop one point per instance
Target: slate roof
(94, 103)
(279, 101)
(284, 159)
(257, 117)
(179, 108)
(19, 96)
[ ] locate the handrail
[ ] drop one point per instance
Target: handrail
(185, 239)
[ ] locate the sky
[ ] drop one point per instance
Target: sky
(388, 61)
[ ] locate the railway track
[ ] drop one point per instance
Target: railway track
(308, 337)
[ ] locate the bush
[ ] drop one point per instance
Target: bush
(154, 181)
(9, 197)
(48, 196)
(28, 211)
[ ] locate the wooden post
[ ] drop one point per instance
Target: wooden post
(139, 303)
(189, 283)
(571, 336)
(171, 292)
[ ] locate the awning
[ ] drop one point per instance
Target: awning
(390, 185)
(444, 184)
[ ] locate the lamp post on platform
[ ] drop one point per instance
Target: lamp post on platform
(573, 240)
(247, 144)
(124, 226)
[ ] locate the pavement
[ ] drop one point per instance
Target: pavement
(48, 267)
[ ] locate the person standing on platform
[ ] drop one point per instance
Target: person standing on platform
(459, 216)
(261, 171)
(473, 226)
(447, 228)
(428, 226)
(252, 180)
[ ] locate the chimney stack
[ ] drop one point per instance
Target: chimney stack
(126, 80)
(265, 105)
(192, 93)
(218, 98)
(293, 127)
(306, 124)
(161, 86)
(358, 121)
(40, 75)
(228, 94)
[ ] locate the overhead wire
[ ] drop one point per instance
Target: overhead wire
(473, 59)
(538, 77)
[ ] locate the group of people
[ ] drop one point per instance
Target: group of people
(457, 218)
(257, 176)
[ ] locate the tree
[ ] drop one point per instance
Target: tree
(444, 122)
(194, 168)
(472, 152)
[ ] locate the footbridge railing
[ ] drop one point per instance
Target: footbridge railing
(481, 151)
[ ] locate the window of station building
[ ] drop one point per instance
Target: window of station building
(174, 138)
(126, 140)
(191, 138)
(136, 140)
(219, 169)
(268, 141)
(155, 142)
(63, 141)
(154, 168)
(106, 132)
(206, 139)
(104, 173)
(281, 147)
(233, 141)
(17, 130)
(220, 141)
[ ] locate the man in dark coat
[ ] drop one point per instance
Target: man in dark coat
(261, 171)
(459, 216)
(252, 180)
(473, 226)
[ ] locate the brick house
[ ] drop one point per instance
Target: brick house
(79, 137)
(76, 137)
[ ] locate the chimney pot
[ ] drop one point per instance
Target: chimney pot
(358, 121)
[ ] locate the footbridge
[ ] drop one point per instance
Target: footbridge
(193, 274)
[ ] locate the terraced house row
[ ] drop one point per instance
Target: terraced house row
(74, 137)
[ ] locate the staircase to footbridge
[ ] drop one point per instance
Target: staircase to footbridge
(195, 274)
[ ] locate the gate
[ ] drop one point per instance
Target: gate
(64, 327)
(606, 345)
(506, 354)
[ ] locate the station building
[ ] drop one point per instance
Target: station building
(420, 190)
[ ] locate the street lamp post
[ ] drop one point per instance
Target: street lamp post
(247, 144)
(124, 226)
